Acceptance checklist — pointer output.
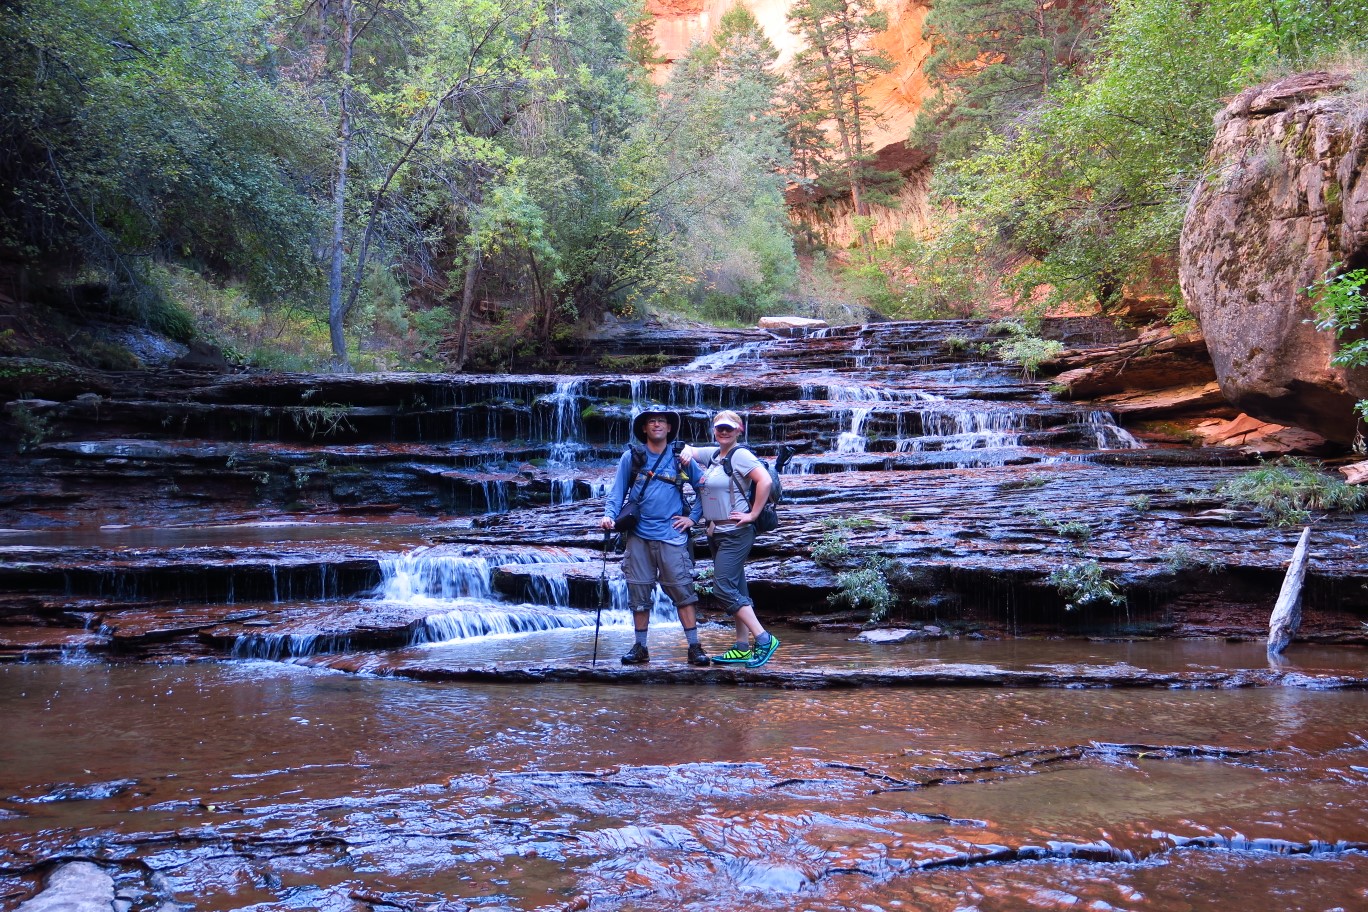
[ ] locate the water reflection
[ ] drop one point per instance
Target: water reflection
(270, 786)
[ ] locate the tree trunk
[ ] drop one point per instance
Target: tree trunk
(472, 273)
(336, 310)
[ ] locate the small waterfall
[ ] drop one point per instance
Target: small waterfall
(748, 352)
(463, 585)
(1109, 435)
(567, 427)
(562, 491)
(853, 441)
(496, 495)
(963, 429)
(463, 625)
(442, 573)
(276, 646)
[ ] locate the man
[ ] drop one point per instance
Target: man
(657, 549)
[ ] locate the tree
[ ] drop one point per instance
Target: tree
(995, 60)
(724, 146)
(418, 92)
(133, 129)
(834, 67)
(1088, 188)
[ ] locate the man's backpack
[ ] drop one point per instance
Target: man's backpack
(768, 520)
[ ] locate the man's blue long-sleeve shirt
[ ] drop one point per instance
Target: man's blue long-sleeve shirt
(660, 499)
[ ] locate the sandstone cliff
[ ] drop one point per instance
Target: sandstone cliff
(1284, 200)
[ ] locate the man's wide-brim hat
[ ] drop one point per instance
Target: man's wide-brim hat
(639, 423)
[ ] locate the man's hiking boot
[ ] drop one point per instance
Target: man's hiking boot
(697, 656)
(734, 656)
(637, 655)
(761, 654)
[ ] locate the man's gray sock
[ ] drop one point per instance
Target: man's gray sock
(641, 637)
(691, 634)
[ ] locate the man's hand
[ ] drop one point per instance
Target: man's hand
(606, 524)
(682, 523)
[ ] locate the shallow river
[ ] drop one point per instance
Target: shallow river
(261, 785)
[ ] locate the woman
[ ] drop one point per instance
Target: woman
(731, 502)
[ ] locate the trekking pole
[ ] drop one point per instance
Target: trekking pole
(602, 595)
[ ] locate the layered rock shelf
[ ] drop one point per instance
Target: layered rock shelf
(285, 516)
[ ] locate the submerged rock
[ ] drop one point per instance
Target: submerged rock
(79, 886)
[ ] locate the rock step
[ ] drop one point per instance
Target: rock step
(809, 678)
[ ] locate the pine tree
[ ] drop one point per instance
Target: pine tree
(834, 68)
(996, 59)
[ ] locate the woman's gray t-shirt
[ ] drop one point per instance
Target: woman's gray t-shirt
(743, 462)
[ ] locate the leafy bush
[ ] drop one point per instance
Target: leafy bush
(865, 589)
(832, 548)
(1286, 491)
(1182, 557)
(1341, 306)
(33, 428)
(1085, 584)
(1030, 352)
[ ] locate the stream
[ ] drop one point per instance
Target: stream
(392, 694)
(261, 785)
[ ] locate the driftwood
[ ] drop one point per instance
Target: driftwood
(1286, 618)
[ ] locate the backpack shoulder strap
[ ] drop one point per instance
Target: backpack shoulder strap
(637, 463)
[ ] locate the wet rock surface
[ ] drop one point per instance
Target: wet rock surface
(271, 516)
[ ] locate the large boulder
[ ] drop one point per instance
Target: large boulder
(1285, 199)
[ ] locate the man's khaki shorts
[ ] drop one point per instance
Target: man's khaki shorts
(644, 563)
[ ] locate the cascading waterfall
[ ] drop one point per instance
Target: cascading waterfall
(853, 440)
(462, 583)
(567, 436)
(965, 429)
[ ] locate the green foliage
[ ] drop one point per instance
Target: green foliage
(1287, 490)
(996, 58)
(633, 364)
(1030, 481)
(1074, 530)
(1182, 557)
(721, 149)
(1024, 348)
(865, 589)
(33, 428)
(324, 420)
(832, 549)
(1140, 503)
(1080, 193)
(837, 62)
(1085, 584)
(1181, 320)
(1341, 307)
(138, 128)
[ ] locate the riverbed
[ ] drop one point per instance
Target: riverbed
(258, 785)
